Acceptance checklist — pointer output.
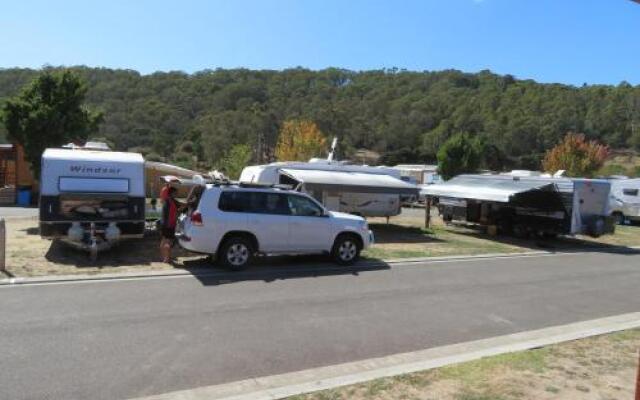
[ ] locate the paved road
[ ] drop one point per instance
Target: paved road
(120, 339)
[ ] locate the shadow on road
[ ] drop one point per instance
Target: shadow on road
(271, 269)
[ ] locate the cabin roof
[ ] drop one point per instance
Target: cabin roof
(351, 181)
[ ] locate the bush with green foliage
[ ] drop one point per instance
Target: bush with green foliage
(613, 169)
(235, 160)
(460, 154)
(49, 112)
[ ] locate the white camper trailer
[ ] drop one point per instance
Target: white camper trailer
(91, 199)
(624, 201)
(338, 185)
(355, 189)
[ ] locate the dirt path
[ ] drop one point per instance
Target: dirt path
(30, 255)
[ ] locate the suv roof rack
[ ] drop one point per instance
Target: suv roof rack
(220, 182)
(256, 185)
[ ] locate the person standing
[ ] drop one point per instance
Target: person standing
(170, 209)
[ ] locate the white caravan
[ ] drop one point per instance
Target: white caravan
(624, 201)
(91, 199)
(339, 186)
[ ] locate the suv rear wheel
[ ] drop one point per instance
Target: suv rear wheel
(236, 253)
(346, 250)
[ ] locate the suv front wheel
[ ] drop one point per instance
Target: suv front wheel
(346, 249)
(236, 253)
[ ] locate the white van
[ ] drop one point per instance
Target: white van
(624, 201)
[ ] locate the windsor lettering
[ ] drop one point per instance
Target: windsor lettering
(94, 170)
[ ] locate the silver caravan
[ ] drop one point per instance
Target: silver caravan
(355, 189)
(624, 201)
(524, 205)
(91, 199)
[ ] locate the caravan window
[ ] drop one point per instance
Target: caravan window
(93, 185)
(630, 192)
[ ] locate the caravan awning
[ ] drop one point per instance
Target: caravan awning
(500, 189)
(355, 182)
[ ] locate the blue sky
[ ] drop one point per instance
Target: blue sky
(569, 41)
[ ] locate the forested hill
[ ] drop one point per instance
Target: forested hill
(405, 116)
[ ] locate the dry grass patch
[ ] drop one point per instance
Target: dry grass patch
(30, 255)
(405, 237)
(602, 367)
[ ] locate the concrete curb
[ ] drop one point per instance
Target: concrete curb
(290, 384)
(206, 272)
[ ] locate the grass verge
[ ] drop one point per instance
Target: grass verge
(406, 237)
(602, 367)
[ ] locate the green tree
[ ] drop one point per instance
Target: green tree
(221, 131)
(614, 169)
(634, 139)
(460, 154)
(235, 160)
(49, 112)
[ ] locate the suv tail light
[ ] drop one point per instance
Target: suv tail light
(196, 218)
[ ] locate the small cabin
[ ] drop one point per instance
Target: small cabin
(419, 174)
(15, 173)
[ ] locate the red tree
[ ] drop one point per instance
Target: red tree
(576, 155)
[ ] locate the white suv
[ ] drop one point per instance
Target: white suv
(236, 222)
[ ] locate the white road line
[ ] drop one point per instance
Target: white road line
(72, 280)
(290, 384)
